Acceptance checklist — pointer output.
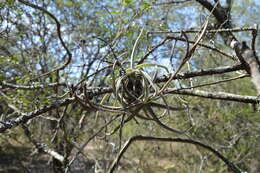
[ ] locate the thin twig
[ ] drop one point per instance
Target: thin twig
(204, 45)
(208, 31)
(152, 50)
(23, 87)
(41, 146)
(172, 2)
(186, 58)
(59, 36)
(86, 143)
(202, 72)
(151, 112)
(217, 82)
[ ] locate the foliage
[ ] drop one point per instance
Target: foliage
(80, 78)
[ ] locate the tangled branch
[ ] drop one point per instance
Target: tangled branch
(66, 63)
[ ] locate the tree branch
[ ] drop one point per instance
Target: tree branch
(246, 56)
(215, 95)
(31, 87)
(90, 93)
(230, 165)
(186, 75)
(58, 32)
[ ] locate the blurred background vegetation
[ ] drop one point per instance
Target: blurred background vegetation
(29, 47)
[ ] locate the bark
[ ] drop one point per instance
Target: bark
(246, 55)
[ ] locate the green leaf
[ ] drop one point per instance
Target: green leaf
(10, 2)
(133, 51)
(146, 5)
(129, 70)
(127, 2)
(69, 4)
(140, 66)
(130, 34)
(115, 12)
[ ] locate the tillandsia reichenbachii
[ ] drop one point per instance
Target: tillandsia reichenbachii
(136, 91)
